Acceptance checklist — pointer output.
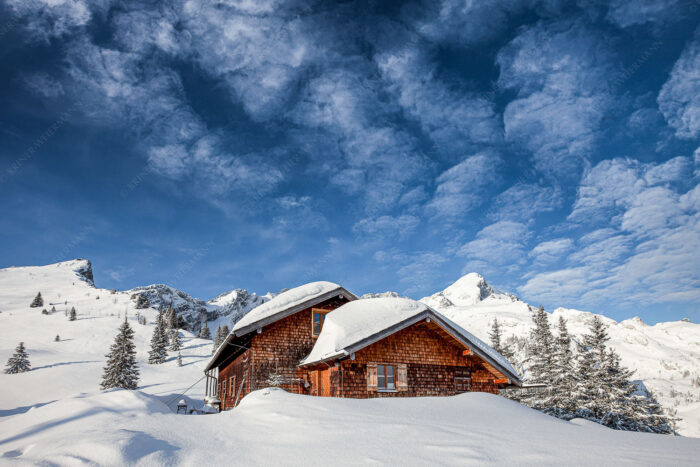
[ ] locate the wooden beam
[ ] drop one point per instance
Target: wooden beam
(466, 352)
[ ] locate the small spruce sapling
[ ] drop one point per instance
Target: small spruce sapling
(179, 359)
(73, 314)
(38, 301)
(44, 311)
(19, 361)
(58, 338)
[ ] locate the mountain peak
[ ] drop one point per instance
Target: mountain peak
(468, 290)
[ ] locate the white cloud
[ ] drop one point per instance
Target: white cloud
(559, 72)
(465, 22)
(455, 121)
(551, 250)
(523, 201)
(625, 13)
(116, 87)
(461, 187)
(679, 99)
(605, 188)
(649, 246)
(500, 244)
(46, 19)
(382, 159)
(387, 227)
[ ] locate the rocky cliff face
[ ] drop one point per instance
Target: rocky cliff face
(233, 304)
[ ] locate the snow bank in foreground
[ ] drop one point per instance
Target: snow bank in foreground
(274, 427)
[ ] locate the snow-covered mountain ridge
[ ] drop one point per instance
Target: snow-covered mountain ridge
(666, 356)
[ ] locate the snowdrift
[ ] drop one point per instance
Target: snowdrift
(274, 427)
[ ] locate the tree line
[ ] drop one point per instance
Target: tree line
(581, 378)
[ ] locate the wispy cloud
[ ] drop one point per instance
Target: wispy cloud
(461, 187)
(559, 73)
(679, 99)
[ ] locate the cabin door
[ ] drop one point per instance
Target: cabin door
(324, 382)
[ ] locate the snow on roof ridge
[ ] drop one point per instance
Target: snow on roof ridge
(361, 319)
(285, 300)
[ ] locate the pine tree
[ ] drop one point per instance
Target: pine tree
(654, 419)
(38, 301)
(121, 370)
(563, 381)
(541, 349)
(73, 314)
(159, 342)
(142, 301)
(174, 341)
(19, 361)
(589, 393)
(53, 309)
(171, 319)
(497, 342)
(204, 332)
(44, 311)
(58, 338)
(217, 339)
(179, 359)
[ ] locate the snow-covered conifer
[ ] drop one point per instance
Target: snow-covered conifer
(38, 301)
(121, 370)
(174, 340)
(541, 349)
(497, 341)
(204, 332)
(53, 309)
(563, 380)
(217, 339)
(58, 338)
(142, 301)
(73, 315)
(44, 311)
(179, 359)
(159, 342)
(19, 361)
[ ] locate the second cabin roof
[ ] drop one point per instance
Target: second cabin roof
(362, 322)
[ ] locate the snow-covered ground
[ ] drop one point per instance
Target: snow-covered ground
(73, 366)
(272, 427)
(56, 412)
(666, 356)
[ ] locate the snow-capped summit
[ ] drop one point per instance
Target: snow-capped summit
(468, 290)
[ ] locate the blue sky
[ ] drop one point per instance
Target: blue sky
(551, 146)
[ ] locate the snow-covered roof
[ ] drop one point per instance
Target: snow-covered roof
(362, 322)
(287, 301)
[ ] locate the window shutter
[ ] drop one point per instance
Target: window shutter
(402, 377)
(371, 376)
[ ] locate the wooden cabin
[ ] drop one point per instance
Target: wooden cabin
(319, 339)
